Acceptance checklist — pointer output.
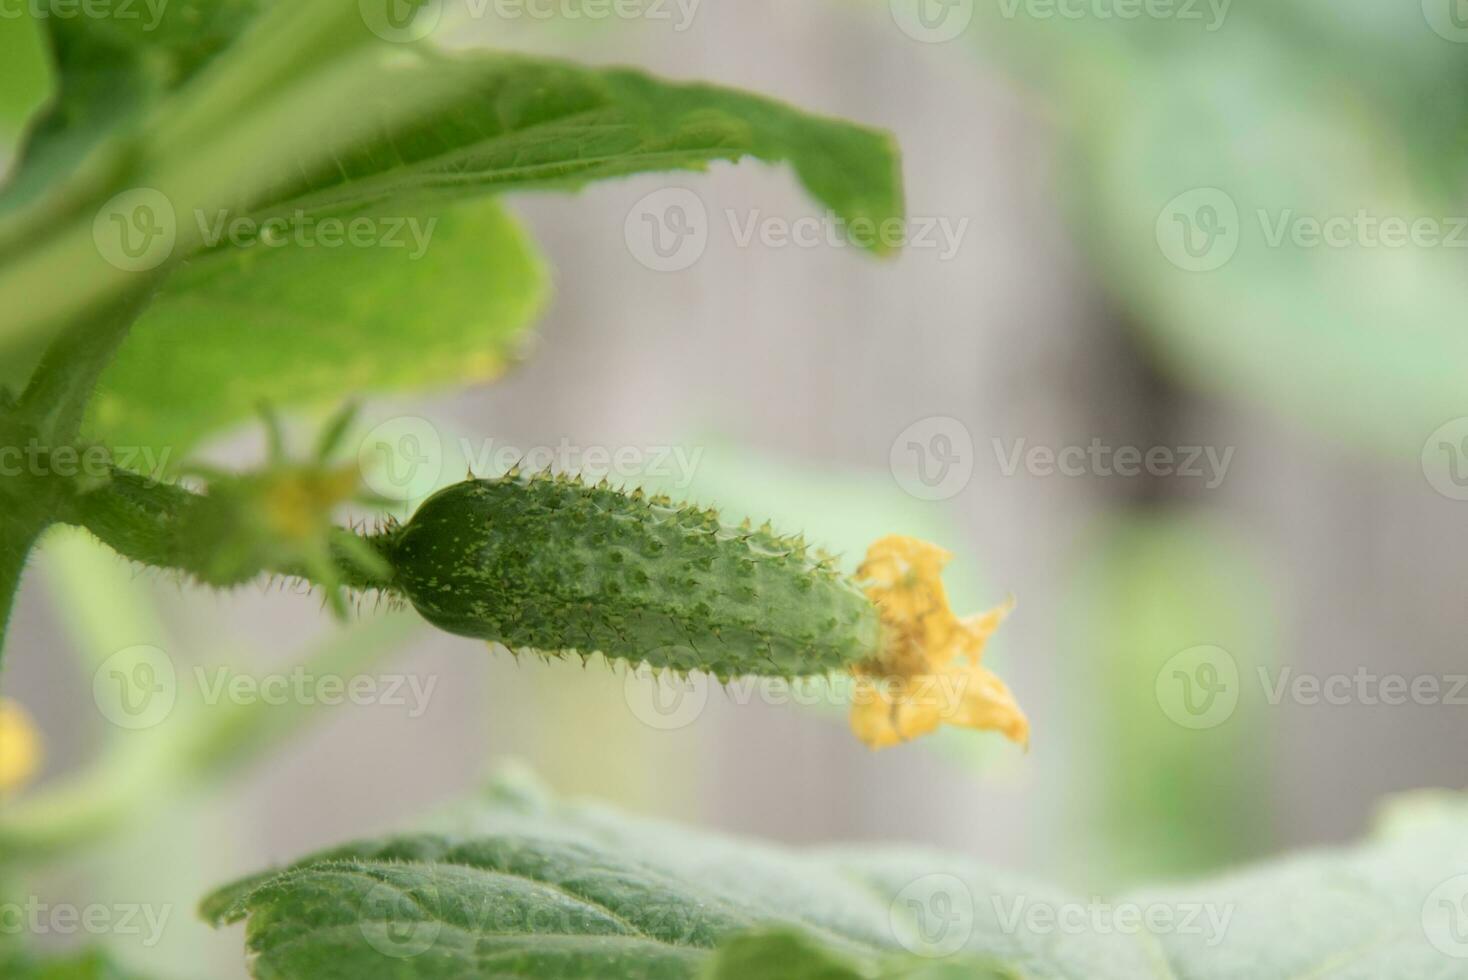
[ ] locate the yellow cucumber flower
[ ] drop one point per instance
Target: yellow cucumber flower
(20, 747)
(927, 672)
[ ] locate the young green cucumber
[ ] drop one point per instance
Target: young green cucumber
(554, 565)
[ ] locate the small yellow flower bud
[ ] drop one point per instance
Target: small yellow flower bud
(20, 747)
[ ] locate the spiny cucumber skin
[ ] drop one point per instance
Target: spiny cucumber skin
(551, 564)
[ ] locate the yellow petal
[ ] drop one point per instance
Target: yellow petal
(927, 672)
(987, 704)
(20, 747)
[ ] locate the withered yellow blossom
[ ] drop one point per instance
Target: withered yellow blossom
(927, 672)
(20, 747)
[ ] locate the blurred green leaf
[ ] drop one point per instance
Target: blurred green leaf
(109, 70)
(785, 953)
(309, 114)
(1348, 107)
(25, 78)
(1165, 610)
(91, 965)
(311, 326)
(526, 886)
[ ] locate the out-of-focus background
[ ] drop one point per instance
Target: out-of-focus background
(1173, 357)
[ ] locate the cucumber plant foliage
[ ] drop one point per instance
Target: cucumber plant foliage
(259, 111)
(520, 884)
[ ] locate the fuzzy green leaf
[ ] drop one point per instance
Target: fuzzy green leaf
(307, 113)
(314, 326)
(90, 965)
(526, 886)
(524, 123)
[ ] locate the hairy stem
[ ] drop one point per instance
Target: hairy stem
(49, 414)
(157, 524)
(56, 398)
